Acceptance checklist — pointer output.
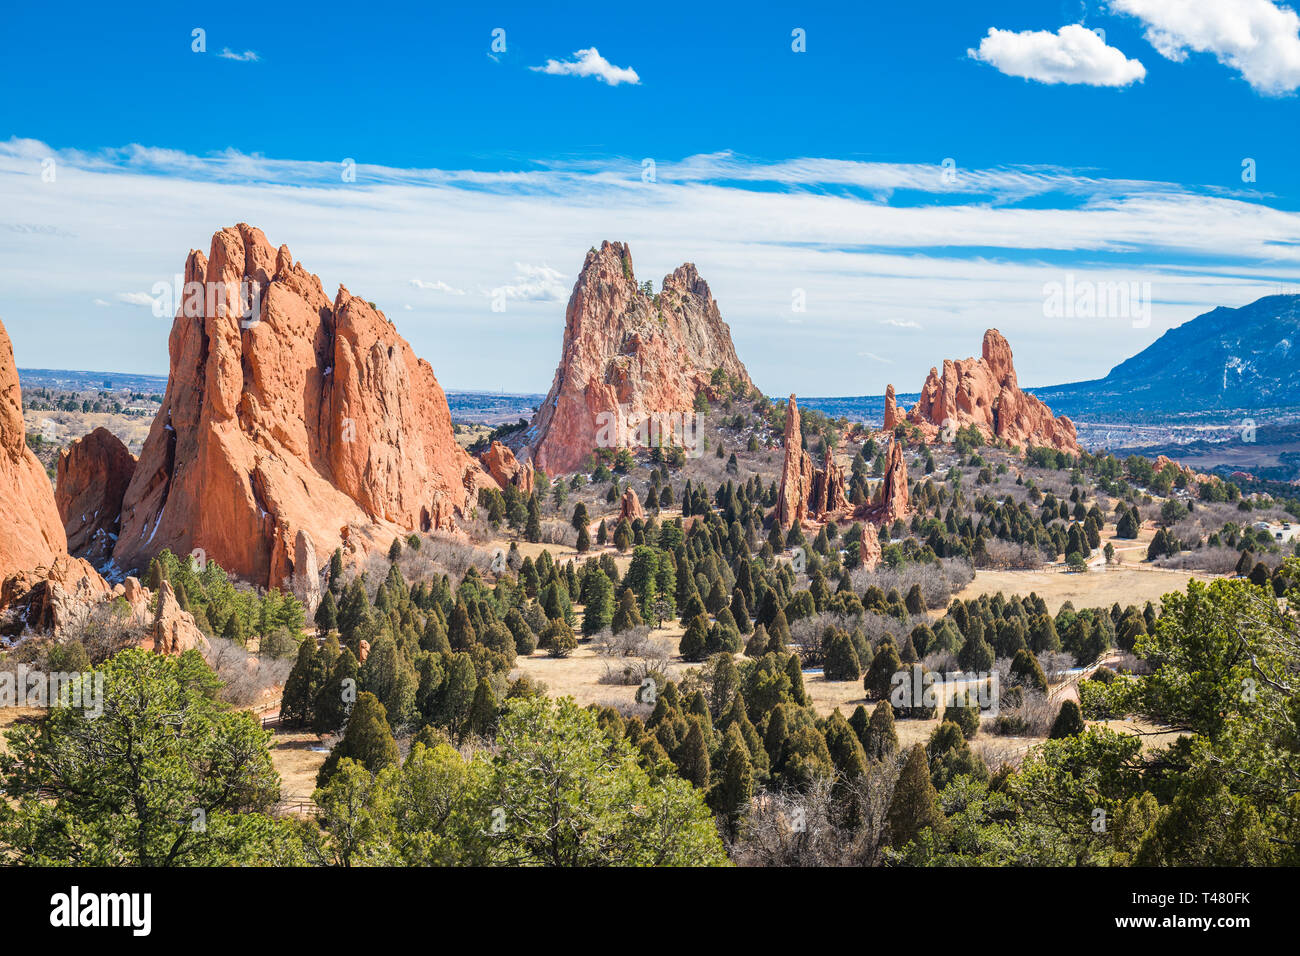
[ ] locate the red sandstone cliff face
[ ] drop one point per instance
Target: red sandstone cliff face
(93, 475)
(630, 352)
(286, 412)
(31, 533)
(983, 392)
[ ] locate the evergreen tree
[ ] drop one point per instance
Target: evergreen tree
(840, 658)
(367, 740)
(336, 694)
(693, 760)
(627, 615)
(1026, 671)
(482, 718)
(326, 613)
(881, 740)
(1068, 723)
(915, 804)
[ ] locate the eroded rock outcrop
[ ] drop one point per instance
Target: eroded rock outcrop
(506, 469)
(807, 493)
(983, 392)
(892, 499)
(31, 533)
(869, 547)
(174, 630)
(287, 412)
(93, 475)
(813, 495)
(892, 418)
(630, 506)
(629, 356)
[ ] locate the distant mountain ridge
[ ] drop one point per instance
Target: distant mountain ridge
(1244, 358)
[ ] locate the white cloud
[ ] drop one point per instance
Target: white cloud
(1073, 54)
(1257, 38)
(901, 323)
(534, 284)
(874, 357)
(863, 261)
(135, 298)
(101, 303)
(248, 56)
(590, 63)
(437, 286)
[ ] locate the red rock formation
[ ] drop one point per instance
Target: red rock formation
(287, 412)
(93, 475)
(983, 392)
(54, 596)
(807, 492)
(630, 506)
(505, 469)
(629, 356)
(892, 417)
(174, 630)
(31, 533)
(892, 499)
(869, 547)
(796, 469)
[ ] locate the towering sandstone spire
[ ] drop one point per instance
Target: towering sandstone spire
(630, 353)
(291, 424)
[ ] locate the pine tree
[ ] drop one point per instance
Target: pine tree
(602, 535)
(367, 740)
(482, 718)
(335, 696)
(882, 740)
(841, 659)
(395, 551)
(915, 804)
(533, 527)
(694, 643)
(794, 670)
(1068, 723)
(736, 788)
(584, 540)
(598, 612)
(880, 675)
(693, 760)
(326, 613)
(297, 700)
(1026, 670)
(628, 615)
(623, 535)
(336, 571)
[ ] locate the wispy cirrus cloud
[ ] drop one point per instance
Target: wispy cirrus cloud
(1073, 54)
(135, 298)
(589, 62)
(437, 286)
(248, 56)
(880, 250)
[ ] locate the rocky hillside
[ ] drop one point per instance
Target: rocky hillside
(1246, 358)
(624, 347)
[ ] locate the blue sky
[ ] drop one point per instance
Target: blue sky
(1120, 159)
